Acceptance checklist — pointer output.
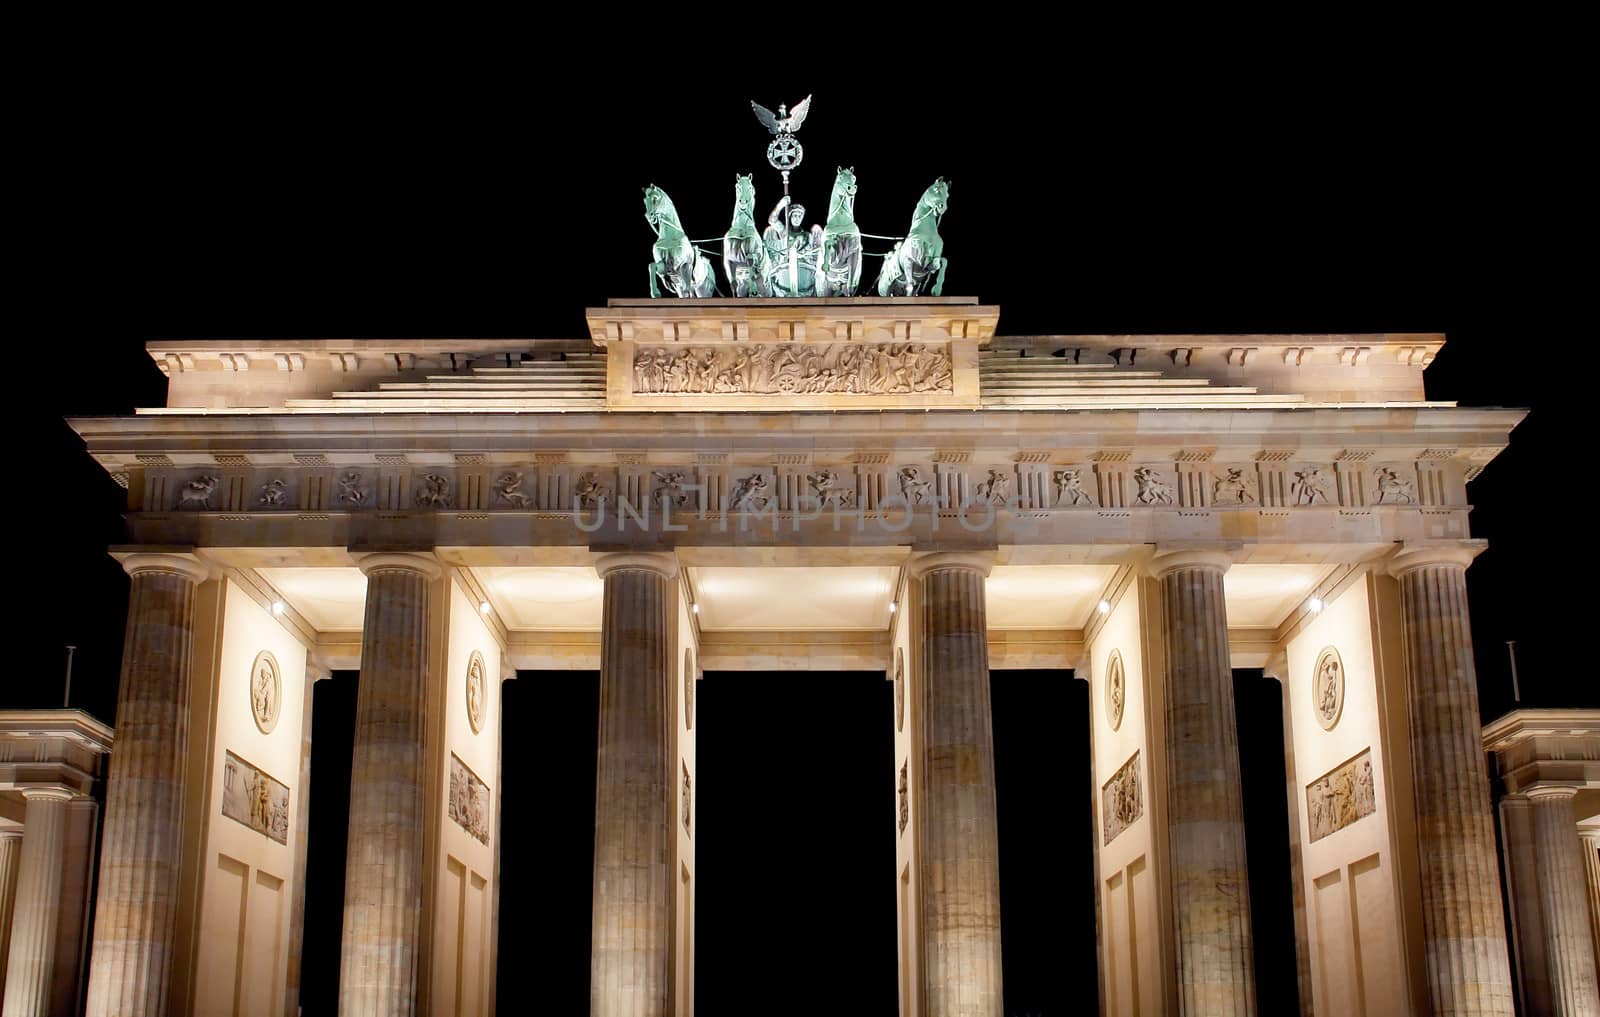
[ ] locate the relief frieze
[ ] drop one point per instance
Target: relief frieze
(1122, 799)
(1341, 796)
(793, 368)
(469, 800)
(255, 798)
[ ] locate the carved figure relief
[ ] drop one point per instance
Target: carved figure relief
(1122, 800)
(913, 488)
(350, 490)
(1327, 689)
(255, 798)
(793, 368)
(1341, 797)
(995, 490)
(589, 492)
(433, 491)
(905, 796)
(273, 493)
(1394, 489)
(1309, 487)
(672, 486)
(689, 678)
(899, 689)
(1116, 690)
(1152, 490)
(197, 492)
(1069, 488)
(508, 488)
(826, 489)
(266, 691)
(687, 788)
(477, 692)
(751, 493)
(469, 800)
(1233, 487)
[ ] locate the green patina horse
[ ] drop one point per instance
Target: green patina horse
(677, 265)
(921, 254)
(744, 257)
(840, 274)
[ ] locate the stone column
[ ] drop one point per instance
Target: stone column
(10, 857)
(380, 951)
(1205, 811)
(959, 865)
(1569, 947)
(30, 964)
(1522, 874)
(131, 960)
(1469, 974)
(1590, 836)
(629, 971)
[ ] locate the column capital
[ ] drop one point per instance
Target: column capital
(1518, 800)
(181, 563)
(1551, 791)
(662, 563)
(1166, 562)
(1416, 554)
(1589, 833)
(399, 561)
(47, 794)
(922, 562)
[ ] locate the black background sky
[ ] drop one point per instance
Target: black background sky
(1412, 185)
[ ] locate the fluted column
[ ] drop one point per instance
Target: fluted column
(959, 866)
(1522, 875)
(30, 964)
(1569, 948)
(1590, 836)
(130, 967)
(10, 858)
(383, 882)
(1205, 811)
(633, 821)
(1469, 974)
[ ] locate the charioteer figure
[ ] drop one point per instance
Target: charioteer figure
(793, 252)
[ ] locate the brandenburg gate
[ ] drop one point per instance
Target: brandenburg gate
(760, 483)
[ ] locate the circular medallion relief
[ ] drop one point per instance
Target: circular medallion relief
(477, 692)
(1116, 690)
(1328, 688)
(266, 691)
(688, 689)
(899, 689)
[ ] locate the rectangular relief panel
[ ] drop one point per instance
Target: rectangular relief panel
(1121, 799)
(1341, 796)
(469, 800)
(255, 798)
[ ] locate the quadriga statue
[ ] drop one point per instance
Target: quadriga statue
(744, 257)
(676, 264)
(920, 256)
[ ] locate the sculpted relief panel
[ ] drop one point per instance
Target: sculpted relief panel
(469, 800)
(793, 368)
(255, 798)
(1341, 796)
(1122, 800)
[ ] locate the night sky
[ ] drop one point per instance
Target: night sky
(227, 201)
